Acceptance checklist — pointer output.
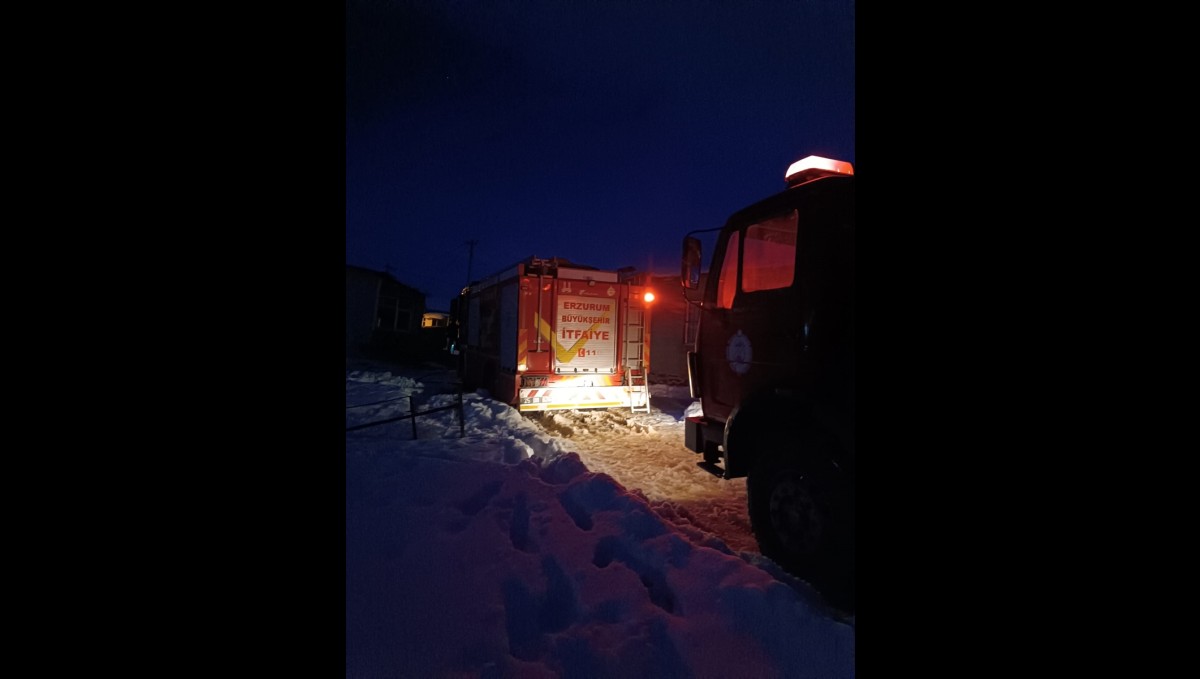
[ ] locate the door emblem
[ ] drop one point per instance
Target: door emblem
(739, 353)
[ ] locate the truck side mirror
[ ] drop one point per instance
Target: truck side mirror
(689, 275)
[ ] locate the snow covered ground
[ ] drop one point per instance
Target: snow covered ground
(574, 543)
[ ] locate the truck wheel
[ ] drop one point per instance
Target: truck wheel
(803, 519)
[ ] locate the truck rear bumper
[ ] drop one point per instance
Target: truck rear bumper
(562, 398)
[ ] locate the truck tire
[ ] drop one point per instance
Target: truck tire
(802, 514)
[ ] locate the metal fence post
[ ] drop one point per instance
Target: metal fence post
(412, 411)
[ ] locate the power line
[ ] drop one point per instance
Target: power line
(470, 258)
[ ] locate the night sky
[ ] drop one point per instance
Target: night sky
(600, 131)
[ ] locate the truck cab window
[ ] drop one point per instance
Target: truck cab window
(727, 281)
(770, 259)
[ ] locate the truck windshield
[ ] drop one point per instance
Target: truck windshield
(727, 277)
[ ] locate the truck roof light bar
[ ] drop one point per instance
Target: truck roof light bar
(812, 167)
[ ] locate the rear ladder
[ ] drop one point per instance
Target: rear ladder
(633, 356)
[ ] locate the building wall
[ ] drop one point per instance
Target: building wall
(668, 351)
(383, 315)
(362, 300)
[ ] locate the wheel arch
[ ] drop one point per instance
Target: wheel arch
(764, 421)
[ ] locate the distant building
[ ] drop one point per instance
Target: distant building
(383, 315)
(435, 319)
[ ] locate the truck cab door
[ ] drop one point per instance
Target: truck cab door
(752, 324)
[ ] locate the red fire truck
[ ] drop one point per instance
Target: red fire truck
(547, 334)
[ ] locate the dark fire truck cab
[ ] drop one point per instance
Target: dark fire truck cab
(773, 368)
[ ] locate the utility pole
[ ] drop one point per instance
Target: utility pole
(470, 258)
